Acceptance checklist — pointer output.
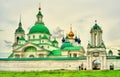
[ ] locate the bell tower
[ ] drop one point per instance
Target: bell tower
(96, 50)
(19, 32)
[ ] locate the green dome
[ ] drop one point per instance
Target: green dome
(55, 41)
(110, 52)
(96, 27)
(66, 44)
(22, 38)
(39, 28)
(39, 14)
(44, 37)
(19, 30)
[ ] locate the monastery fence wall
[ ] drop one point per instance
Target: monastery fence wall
(41, 65)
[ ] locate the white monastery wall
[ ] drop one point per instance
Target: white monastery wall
(115, 62)
(41, 65)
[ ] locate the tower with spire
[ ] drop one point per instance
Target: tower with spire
(96, 50)
(39, 16)
(19, 33)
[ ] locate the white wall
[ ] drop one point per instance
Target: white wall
(40, 65)
(116, 63)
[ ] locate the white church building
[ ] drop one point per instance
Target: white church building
(39, 51)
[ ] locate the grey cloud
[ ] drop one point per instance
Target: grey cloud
(58, 32)
(1, 30)
(8, 44)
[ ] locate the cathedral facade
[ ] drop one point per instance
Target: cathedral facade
(40, 52)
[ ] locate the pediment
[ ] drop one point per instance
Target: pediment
(28, 45)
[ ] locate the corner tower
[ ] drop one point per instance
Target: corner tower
(96, 51)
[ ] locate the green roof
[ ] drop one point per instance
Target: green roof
(113, 57)
(39, 28)
(96, 27)
(55, 53)
(66, 44)
(110, 52)
(22, 38)
(39, 13)
(73, 48)
(11, 55)
(55, 41)
(30, 59)
(44, 37)
(19, 30)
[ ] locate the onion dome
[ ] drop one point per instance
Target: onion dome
(79, 41)
(96, 27)
(102, 44)
(63, 39)
(89, 45)
(76, 39)
(66, 44)
(71, 34)
(39, 16)
(110, 52)
(55, 41)
(19, 29)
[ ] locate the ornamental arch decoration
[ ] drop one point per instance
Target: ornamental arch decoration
(30, 49)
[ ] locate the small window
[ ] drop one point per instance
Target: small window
(17, 56)
(29, 37)
(31, 56)
(41, 55)
(33, 36)
(39, 36)
(70, 55)
(74, 55)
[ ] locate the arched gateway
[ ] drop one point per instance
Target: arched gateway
(96, 65)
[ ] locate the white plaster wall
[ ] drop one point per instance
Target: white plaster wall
(41, 65)
(116, 63)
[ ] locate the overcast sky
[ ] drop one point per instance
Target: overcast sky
(61, 13)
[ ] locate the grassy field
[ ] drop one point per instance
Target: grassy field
(62, 74)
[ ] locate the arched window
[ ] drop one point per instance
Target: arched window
(17, 56)
(29, 37)
(39, 36)
(30, 49)
(111, 66)
(70, 55)
(33, 36)
(74, 55)
(17, 39)
(41, 55)
(31, 56)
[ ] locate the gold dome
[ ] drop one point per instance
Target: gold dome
(71, 34)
